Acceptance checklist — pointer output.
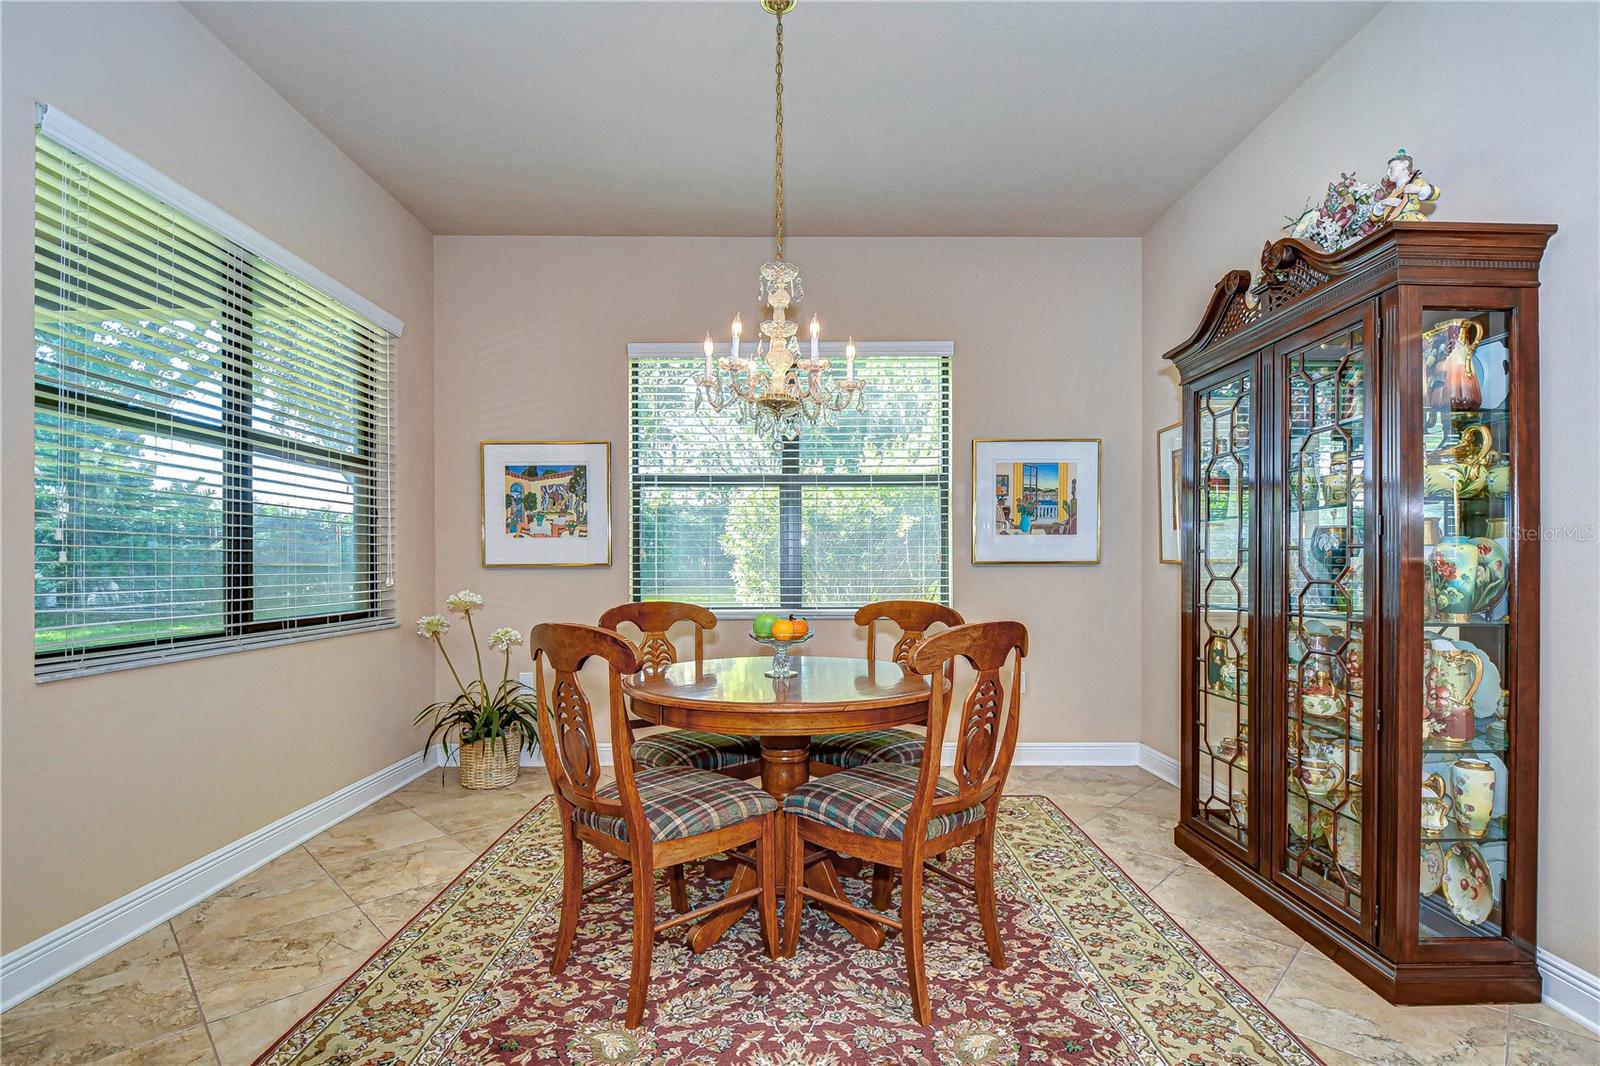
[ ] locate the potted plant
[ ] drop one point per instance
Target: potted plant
(490, 725)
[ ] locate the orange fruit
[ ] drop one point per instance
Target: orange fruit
(783, 629)
(801, 626)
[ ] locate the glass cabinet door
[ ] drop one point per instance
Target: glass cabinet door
(1223, 474)
(1325, 587)
(1468, 520)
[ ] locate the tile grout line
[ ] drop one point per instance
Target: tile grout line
(199, 1007)
(346, 894)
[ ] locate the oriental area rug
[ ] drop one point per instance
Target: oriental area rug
(1098, 974)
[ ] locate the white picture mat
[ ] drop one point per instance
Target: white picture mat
(500, 549)
(1169, 483)
(988, 546)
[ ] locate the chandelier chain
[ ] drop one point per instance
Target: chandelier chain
(777, 139)
(781, 390)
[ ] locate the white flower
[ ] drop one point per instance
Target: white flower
(504, 639)
(434, 625)
(464, 602)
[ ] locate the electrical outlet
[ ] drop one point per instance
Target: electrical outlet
(1024, 682)
(525, 679)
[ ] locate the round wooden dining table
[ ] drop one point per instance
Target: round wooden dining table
(827, 695)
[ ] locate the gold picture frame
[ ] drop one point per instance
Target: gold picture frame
(991, 537)
(530, 546)
(1169, 492)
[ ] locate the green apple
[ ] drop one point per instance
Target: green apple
(761, 624)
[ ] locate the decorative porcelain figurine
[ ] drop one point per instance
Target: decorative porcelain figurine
(1436, 805)
(1402, 192)
(1472, 789)
(1450, 678)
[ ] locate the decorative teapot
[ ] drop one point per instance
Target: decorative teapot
(1467, 469)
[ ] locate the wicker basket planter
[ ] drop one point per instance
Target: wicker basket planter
(490, 763)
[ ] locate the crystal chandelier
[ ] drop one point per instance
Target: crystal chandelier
(778, 392)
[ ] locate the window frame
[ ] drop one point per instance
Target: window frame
(239, 442)
(790, 482)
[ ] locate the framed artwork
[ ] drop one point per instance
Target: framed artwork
(1169, 485)
(1035, 500)
(546, 502)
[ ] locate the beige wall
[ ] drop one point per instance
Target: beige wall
(112, 781)
(532, 340)
(1498, 105)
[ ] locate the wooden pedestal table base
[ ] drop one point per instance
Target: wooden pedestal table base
(827, 695)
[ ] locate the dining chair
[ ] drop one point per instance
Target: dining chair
(649, 817)
(719, 752)
(832, 752)
(900, 815)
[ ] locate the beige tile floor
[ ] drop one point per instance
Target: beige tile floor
(219, 982)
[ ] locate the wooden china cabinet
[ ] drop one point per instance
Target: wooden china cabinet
(1361, 601)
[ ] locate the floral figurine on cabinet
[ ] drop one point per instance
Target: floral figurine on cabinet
(1402, 192)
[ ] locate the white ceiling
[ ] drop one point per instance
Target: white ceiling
(971, 118)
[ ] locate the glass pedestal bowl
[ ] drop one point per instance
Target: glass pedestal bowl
(781, 664)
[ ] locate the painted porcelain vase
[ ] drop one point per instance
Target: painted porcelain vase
(1464, 575)
(1454, 378)
(1472, 789)
(1450, 679)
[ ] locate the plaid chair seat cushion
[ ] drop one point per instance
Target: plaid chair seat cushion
(850, 750)
(682, 803)
(874, 800)
(696, 750)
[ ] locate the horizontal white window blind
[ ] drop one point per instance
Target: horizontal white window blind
(212, 438)
(850, 513)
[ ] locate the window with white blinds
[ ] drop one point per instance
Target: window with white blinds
(211, 437)
(849, 513)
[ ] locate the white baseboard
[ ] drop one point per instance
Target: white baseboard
(1571, 990)
(34, 967)
(1159, 763)
(1567, 988)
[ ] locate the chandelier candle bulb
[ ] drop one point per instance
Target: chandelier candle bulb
(738, 328)
(850, 359)
(708, 355)
(816, 328)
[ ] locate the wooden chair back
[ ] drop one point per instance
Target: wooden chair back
(653, 619)
(566, 719)
(914, 617)
(987, 735)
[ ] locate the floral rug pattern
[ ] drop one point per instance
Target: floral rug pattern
(1098, 974)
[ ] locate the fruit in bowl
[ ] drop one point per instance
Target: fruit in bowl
(783, 629)
(801, 626)
(761, 625)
